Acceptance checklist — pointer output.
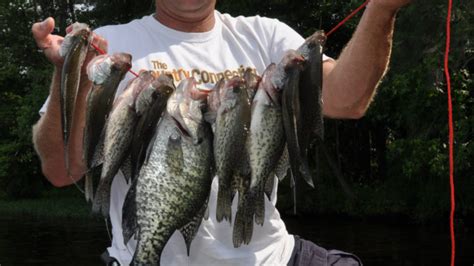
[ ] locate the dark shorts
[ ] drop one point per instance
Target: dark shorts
(304, 253)
(308, 253)
(109, 261)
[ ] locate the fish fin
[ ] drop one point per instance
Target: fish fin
(126, 168)
(89, 180)
(224, 204)
(281, 169)
(149, 149)
(293, 191)
(190, 230)
(269, 183)
(88, 187)
(206, 214)
(101, 202)
(305, 172)
(243, 224)
(259, 202)
(98, 157)
(129, 214)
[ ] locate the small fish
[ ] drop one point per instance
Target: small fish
(231, 128)
(174, 184)
(105, 72)
(74, 50)
(310, 92)
(287, 78)
(118, 137)
(266, 139)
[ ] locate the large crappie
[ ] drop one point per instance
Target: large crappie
(174, 183)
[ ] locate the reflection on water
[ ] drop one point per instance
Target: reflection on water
(70, 242)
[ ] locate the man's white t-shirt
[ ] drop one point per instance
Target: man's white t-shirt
(233, 45)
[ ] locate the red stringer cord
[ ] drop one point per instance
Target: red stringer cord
(347, 18)
(450, 119)
(451, 133)
(97, 48)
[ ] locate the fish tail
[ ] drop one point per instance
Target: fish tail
(224, 204)
(259, 201)
(88, 188)
(89, 179)
(243, 225)
(269, 183)
(101, 203)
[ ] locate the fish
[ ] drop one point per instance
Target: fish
(266, 139)
(287, 77)
(231, 128)
(105, 72)
(118, 136)
(74, 50)
(174, 184)
(150, 110)
(310, 93)
(265, 143)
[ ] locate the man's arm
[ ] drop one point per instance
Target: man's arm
(47, 132)
(350, 82)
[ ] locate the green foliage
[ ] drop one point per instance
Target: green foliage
(395, 158)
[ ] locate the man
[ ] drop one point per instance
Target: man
(190, 38)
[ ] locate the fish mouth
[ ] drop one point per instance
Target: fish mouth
(196, 139)
(181, 128)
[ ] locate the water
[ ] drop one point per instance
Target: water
(80, 242)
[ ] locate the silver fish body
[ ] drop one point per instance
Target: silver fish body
(74, 50)
(105, 72)
(118, 137)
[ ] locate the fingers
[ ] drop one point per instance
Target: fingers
(42, 31)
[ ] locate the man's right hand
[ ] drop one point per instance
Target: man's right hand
(47, 42)
(50, 44)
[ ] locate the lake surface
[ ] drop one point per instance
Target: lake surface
(71, 242)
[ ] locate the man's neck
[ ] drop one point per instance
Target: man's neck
(176, 22)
